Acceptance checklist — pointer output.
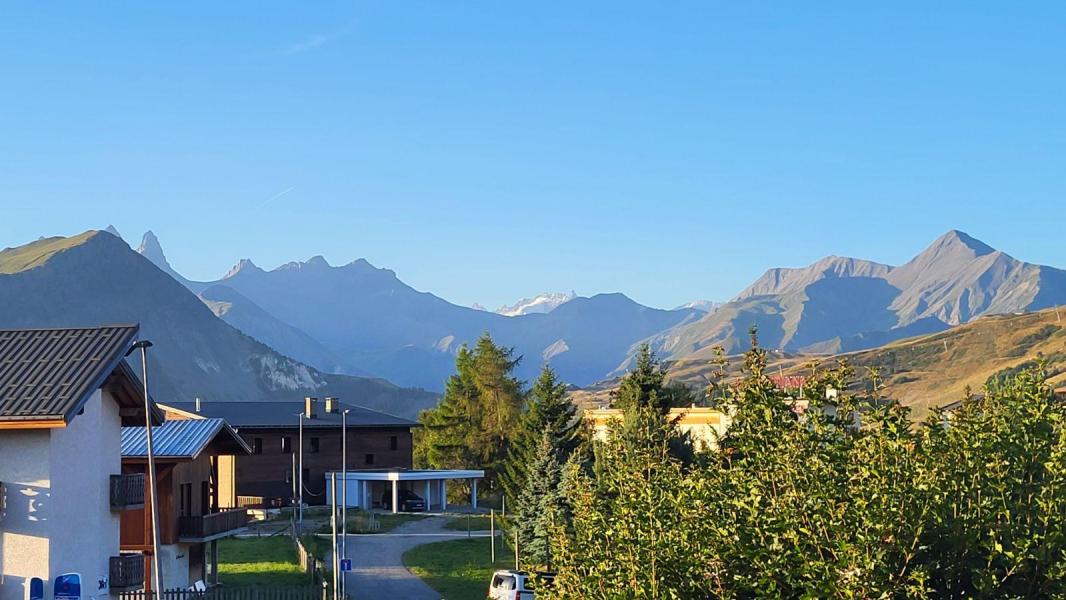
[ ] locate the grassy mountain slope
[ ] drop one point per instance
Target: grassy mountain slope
(95, 279)
(921, 372)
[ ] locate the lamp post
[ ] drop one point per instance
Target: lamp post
(344, 494)
(300, 481)
(144, 345)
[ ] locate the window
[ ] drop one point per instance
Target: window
(257, 446)
(286, 445)
(314, 445)
(394, 443)
(184, 499)
(369, 459)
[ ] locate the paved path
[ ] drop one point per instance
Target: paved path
(377, 560)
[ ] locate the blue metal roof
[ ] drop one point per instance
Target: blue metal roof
(184, 439)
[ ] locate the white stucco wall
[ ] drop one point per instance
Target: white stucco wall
(25, 530)
(59, 518)
(174, 564)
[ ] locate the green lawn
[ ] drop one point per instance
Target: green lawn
(259, 561)
(475, 523)
(458, 569)
(359, 521)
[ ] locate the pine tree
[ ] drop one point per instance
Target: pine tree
(471, 425)
(548, 410)
(538, 505)
(644, 389)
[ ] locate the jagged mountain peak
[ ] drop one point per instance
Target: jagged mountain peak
(113, 231)
(957, 243)
(151, 249)
(244, 265)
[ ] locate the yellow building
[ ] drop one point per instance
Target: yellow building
(704, 425)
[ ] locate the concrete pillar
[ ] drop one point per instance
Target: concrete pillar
(214, 562)
(473, 493)
(395, 496)
(443, 495)
(429, 500)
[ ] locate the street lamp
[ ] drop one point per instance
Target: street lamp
(144, 345)
(300, 474)
(344, 492)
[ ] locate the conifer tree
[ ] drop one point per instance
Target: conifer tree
(471, 425)
(538, 505)
(548, 411)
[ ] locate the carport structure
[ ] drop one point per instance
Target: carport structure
(366, 489)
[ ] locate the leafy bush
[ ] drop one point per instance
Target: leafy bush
(813, 506)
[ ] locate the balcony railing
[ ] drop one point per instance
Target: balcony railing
(127, 491)
(214, 525)
(126, 572)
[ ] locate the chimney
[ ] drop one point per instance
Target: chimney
(332, 405)
(197, 404)
(309, 407)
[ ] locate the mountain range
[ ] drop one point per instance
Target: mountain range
(359, 319)
(349, 330)
(843, 304)
(96, 279)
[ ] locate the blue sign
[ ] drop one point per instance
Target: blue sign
(67, 587)
(346, 564)
(36, 589)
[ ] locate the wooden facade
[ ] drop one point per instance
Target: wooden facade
(268, 472)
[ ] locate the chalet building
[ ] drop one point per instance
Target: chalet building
(189, 455)
(65, 394)
(272, 431)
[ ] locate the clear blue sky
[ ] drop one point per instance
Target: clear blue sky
(487, 151)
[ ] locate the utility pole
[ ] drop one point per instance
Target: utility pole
(294, 496)
(333, 520)
(344, 494)
(492, 533)
(144, 345)
(516, 548)
(300, 484)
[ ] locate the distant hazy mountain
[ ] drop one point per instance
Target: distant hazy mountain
(843, 304)
(544, 303)
(95, 279)
(363, 319)
(701, 305)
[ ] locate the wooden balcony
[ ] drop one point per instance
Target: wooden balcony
(127, 492)
(126, 572)
(213, 526)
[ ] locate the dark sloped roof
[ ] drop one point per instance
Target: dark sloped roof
(184, 439)
(49, 374)
(284, 414)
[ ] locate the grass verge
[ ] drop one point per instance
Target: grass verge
(259, 561)
(474, 522)
(457, 569)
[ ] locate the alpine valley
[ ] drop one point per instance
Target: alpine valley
(362, 333)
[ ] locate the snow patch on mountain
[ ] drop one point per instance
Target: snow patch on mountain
(542, 304)
(707, 306)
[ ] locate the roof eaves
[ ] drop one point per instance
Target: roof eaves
(103, 374)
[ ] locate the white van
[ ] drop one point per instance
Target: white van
(515, 585)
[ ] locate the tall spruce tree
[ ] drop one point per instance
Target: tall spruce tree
(548, 411)
(644, 390)
(539, 505)
(471, 425)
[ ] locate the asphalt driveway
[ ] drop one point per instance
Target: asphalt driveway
(377, 560)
